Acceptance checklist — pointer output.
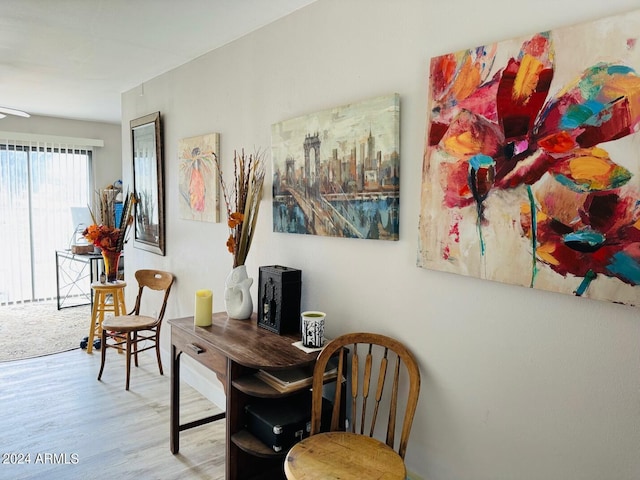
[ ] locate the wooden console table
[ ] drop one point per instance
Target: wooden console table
(235, 350)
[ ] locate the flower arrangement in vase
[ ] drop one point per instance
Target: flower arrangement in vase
(105, 235)
(242, 203)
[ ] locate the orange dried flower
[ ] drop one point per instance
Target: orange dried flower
(235, 219)
(102, 236)
(231, 244)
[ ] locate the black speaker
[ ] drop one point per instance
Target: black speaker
(279, 290)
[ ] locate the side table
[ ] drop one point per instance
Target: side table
(235, 350)
(75, 272)
(100, 306)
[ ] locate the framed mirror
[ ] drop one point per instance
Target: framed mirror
(146, 144)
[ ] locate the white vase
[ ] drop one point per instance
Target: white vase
(237, 298)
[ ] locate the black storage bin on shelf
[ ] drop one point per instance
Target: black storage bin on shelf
(280, 423)
(279, 290)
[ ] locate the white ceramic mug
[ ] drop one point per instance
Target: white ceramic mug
(312, 327)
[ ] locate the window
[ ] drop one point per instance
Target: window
(39, 183)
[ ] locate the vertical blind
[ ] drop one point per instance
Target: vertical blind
(40, 180)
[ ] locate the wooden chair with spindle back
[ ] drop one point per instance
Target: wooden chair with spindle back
(394, 390)
(134, 328)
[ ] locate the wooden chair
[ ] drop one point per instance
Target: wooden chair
(134, 328)
(357, 453)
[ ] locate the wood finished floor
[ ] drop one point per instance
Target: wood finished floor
(54, 405)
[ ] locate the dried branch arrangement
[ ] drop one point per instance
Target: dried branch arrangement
(242, 201)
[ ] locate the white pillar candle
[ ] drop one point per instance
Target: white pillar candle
(204, 308)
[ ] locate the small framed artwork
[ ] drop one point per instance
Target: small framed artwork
(148, 173)
(199, 197)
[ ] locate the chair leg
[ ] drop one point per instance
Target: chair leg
(157, 340)
(135, 347)
(128, 359)
(103, 353)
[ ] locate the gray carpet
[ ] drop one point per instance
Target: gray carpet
(36, 329)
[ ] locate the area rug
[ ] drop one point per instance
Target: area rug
(39, 328)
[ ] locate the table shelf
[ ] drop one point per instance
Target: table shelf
(254, 387)
(248, 443)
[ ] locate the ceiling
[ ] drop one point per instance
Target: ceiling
(74, 58)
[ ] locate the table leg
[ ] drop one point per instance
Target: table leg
(174, 420)
(58, 280)
(234, 407)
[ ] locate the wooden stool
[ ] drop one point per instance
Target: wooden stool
(100, 307)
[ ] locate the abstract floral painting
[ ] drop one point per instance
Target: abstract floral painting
(531, 172)
(198, 178)
(337, 172)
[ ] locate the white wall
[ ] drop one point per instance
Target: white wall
(517, 383)
(107, 160)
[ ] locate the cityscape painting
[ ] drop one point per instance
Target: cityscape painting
(337, 172)
(531, 165)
